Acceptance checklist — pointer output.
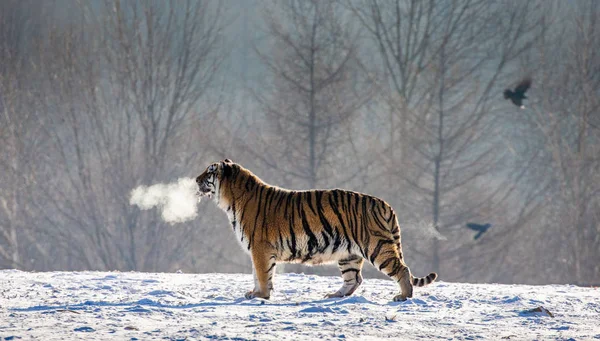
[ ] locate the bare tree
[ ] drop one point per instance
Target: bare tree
(443, 61)
(553, 145)
(314, 90)
(19, 132)
(563, 126)
(122, 83)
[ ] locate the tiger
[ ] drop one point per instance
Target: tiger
(276, 225)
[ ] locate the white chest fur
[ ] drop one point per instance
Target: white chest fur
(237, 228)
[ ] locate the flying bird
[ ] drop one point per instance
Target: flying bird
(481, 229)
(518, 95)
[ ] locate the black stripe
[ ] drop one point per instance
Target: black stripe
(257, 215)
(377, 249)
(347, 227)
(348, 270)
(379, 213)
(270, 195)
(313, 243)
(395, 270)
(244, 210)
(325, 242)
(281, 196)
(386, 263)
(322, 219)
(380, 224)
(310, 204)
(348, 260)
(366, 239)
(335, 210)
(242, 227)
(354, 227)
(378, 217)
(348, 211)
(336, 241)
(333, 205)
(288, 204)
(379, 234)
(234, 222)
(392, 215)
(281, 245)
(341, 217)
(271, 268)
(293, 238)
(335, 196)
(248, 184)
(354, 217)
(267, 202)
(298, 201)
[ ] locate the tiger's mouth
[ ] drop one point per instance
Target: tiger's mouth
(204, 191)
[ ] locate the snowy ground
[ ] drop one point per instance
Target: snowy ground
(149, 306)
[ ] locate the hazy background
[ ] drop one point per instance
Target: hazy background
(399, 99)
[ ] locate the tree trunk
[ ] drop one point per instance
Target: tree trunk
(438, 161)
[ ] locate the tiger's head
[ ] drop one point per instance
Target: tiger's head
(211, 180)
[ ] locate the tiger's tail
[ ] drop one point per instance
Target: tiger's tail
(423, 281)
(416, 281)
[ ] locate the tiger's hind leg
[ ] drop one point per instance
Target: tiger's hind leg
(387, 259)
(350, 268)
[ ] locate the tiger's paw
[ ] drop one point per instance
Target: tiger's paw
(256, 294)
(399, 298)
(345, 290)
(336, 294)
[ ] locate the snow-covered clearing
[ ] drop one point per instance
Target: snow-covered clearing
(151, 306)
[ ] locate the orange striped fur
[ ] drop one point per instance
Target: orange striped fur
(277, 225)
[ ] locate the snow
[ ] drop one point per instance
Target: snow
(177, 306)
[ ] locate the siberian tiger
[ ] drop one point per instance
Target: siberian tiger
(277, 225)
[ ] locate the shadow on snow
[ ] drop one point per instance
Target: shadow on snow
(213, 302)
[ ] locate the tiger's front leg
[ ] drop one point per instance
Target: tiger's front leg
(263, 262)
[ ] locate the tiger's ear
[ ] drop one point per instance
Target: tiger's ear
(227, 169)
(227, 161)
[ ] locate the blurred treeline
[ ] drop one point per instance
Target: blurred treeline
(400, 99)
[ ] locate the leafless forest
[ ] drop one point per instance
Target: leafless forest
(400, 99)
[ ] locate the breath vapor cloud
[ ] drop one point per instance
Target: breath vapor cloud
(177, 201)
